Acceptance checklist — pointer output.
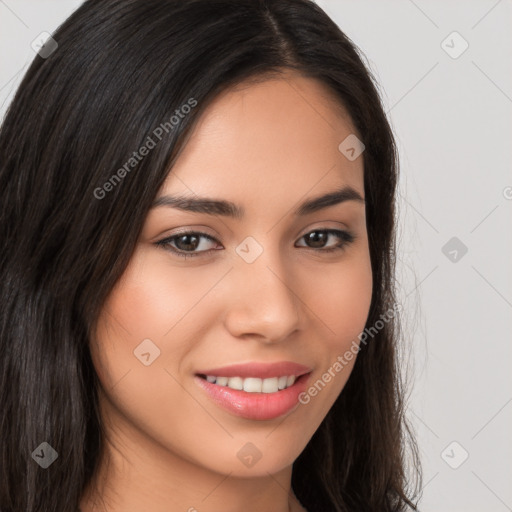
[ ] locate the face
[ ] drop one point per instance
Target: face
(212, 302)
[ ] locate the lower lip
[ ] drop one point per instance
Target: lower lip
(255, 406)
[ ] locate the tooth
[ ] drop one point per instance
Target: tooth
(236, 383)
(281, 383)
(252, 385)
(269, 385)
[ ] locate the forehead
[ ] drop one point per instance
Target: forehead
(275, 139)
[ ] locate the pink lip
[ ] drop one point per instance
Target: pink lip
(255, 406)
(258, 370)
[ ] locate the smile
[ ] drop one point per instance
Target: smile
(255, 391)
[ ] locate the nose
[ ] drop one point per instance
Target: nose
(262, 303)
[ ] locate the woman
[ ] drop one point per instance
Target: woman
(198, 312)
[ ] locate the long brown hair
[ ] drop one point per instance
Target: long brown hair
(121, 68)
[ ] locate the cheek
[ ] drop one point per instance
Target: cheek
(151, 300)
(340, 299)
(341, 304)
(142, 306)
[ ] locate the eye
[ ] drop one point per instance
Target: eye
(319, 237)
(187, 244)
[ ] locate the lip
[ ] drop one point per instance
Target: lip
(255, 406)
(258, 370)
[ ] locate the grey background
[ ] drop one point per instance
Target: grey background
(453, 121)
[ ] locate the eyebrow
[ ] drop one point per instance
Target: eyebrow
(225, 208)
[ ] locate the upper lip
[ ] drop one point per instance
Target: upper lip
(258, 370)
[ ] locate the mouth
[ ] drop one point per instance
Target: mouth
(256, 391)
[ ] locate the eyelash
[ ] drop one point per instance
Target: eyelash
(345, 237)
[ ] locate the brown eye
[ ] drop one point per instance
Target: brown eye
(318, 238)
(186, 244)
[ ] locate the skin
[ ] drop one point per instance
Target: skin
(266, 147)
